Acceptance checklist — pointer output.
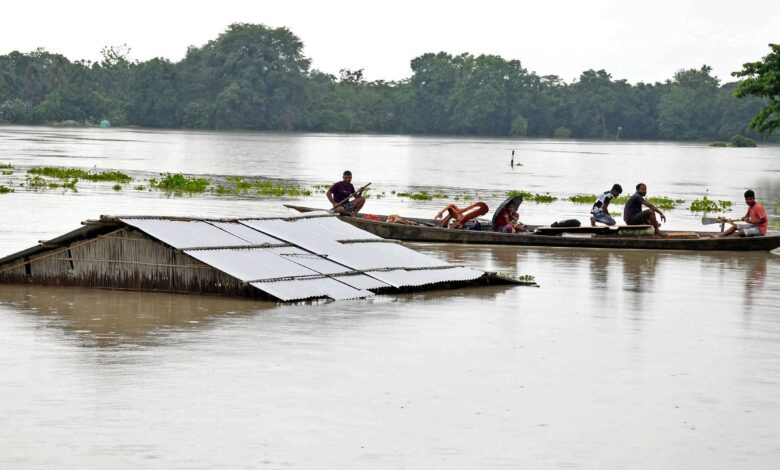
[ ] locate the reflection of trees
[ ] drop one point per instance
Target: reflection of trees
(106, 318)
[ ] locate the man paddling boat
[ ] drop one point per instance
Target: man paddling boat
(758, 221)
(340, 193)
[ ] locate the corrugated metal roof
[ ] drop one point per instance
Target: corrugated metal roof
(314, 264)
(302, 289)
(185, 234)
(416, 278)
(246, 233)
(360, 256)
(251, 264)
(310, 260)
(362, 281)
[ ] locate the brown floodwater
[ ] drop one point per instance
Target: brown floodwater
(620, 359)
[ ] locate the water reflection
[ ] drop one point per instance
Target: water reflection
(106, 318)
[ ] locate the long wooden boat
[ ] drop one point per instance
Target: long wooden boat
(631, 237)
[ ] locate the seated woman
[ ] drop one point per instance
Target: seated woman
(459, 217)
(508, 221)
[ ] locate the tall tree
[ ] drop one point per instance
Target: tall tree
(762, 79)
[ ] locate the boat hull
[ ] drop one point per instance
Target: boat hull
(698, 241)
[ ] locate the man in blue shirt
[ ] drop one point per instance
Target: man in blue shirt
(339, 195)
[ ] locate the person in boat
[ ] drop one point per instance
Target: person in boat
(340, 193)
(600, 210)
(756, 217)
(634, 215)
(508, 221)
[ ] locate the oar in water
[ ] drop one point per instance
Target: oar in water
(333, 211)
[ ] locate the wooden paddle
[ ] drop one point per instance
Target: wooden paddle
(333, 211)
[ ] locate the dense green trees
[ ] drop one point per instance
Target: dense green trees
(256, 77)
(763, 80)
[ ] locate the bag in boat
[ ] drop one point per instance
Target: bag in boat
(566, 223)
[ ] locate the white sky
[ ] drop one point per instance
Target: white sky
(638, 41)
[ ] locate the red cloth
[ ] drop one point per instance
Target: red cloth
(503, 218)
(371, 217)
(757, 212)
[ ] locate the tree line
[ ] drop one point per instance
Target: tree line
(256, 78)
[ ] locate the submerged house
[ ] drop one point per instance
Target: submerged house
(285, 259)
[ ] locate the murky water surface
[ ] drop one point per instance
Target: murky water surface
(621, 359)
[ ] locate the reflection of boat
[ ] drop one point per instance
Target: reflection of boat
(637, 237)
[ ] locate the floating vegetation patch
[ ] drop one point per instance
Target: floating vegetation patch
(261, 188)
(71, 173)
(35, 182)
(5, 189)
(708, 205)
(117, 187)
(719, 144)
(5, 166)
(180, 183)
(523, 194)
(665, 202)
(538, 198)
(7, 172)
(582, 199)
(419, 196)
(139, 187)
(620, 199)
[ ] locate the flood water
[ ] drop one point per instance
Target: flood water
(620, 359)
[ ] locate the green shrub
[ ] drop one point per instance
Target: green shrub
(562, 133)
(741, 141)
(719, 144)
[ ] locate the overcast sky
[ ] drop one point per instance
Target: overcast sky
(637, 41)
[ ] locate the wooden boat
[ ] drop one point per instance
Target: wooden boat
(632, 237)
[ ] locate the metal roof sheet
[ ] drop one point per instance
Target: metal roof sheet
(246, 233)
(362, 281)
(309, 260)
(249, 264)
(415, 278)
(185, 234)
(301, 289)
(360, 256)
(335, 228)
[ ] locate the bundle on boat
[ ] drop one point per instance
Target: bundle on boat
(285, 259)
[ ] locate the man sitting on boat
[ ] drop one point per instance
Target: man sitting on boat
(600, 210)
(634, 215)
(340, 193)
(756, 217)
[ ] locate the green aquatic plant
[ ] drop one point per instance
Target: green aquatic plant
(139, 187)
(719, 144)
(526, 278)
(69, 173)
(742, 141)
(180, 183)
(523, 194)
(665, 202)
(35, 182)
(5, 189)
(419, 196)
(705, 205)
(7, 172)
(117, 187)
(582, 199)
(5, 166)
(543, 198)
